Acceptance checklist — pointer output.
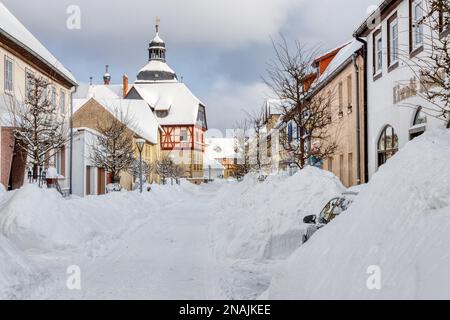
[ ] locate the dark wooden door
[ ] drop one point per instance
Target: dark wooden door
(88, 181)
(101, 181)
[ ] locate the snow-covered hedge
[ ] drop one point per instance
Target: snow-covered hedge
(400, 224)
(264, 220)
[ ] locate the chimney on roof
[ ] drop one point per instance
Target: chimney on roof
(125, 85)
(107, 76)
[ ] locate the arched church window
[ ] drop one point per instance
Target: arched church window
(387, 145)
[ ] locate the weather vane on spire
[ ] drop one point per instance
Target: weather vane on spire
(157, 20)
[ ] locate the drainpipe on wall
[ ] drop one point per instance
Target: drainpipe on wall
(71, 141)
(366, 158)
(358, 123)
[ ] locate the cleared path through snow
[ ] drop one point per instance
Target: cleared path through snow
(168, 257)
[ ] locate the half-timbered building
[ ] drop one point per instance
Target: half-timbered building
(182, 115)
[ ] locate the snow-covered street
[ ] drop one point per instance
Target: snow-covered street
(236, 240)
(166, 258)
(169, 256)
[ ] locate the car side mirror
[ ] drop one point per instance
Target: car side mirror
(310, 219)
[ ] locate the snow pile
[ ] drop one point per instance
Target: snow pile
(17, 273)
(264, 220)
(37, 218)
(396, 234)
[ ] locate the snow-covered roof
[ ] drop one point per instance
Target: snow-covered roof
(86, 91)
(157, 39)
(212, 163)
(380, 7)
(220, 148)
(155, 66)
(173, 97)
(343, 57)
(12, 28)
(274, 106)
(142, 120)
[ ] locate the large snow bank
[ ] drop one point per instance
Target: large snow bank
(263, 220)
(17, 273)
(37, 218)
(260, 223)
(400, 224)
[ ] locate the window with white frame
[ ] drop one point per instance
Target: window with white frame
(9, 75)
(394, 45)
(183, 135)
(417, 23)
(378, 43)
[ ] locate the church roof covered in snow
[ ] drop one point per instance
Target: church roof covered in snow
(180, 105)
(13, 29)
(156, 71)
(142, 120)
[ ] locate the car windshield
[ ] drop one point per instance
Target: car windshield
(333, 208)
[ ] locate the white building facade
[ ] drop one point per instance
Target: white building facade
(397, 112)
(88, 179)
(21, 56)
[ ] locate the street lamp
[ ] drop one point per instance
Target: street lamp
(140, 145)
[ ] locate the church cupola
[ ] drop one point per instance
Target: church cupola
(157, 47)
(156, 70)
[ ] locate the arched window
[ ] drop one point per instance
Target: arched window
(419, 124)
(387, 145)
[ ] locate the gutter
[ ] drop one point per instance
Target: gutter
(366, 149)
(358, 124)
(71, 141)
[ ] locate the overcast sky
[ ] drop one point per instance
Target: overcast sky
(220, 48)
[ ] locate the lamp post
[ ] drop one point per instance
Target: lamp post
(140, 145)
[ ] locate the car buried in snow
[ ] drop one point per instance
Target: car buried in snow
(332, 209)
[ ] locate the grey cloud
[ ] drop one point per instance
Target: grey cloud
(219, 47)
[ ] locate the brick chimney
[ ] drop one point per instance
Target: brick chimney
(125, 85)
